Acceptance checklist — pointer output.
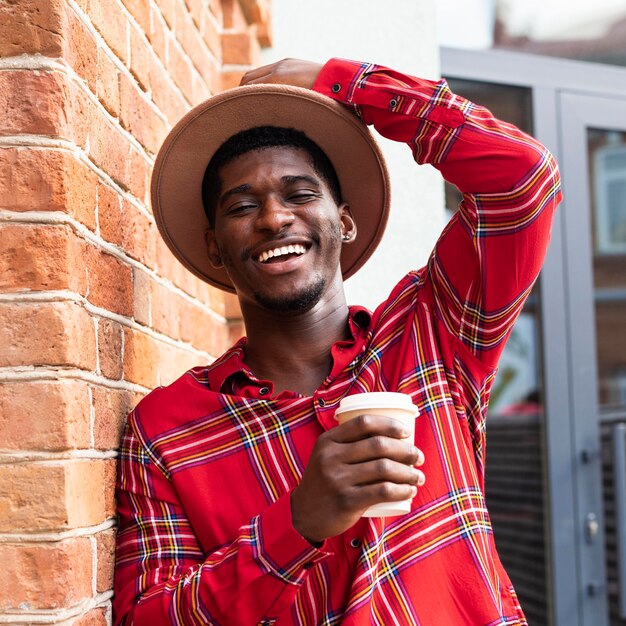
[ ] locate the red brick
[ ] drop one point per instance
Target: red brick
(107, 84)
(236, 330)
(233, 17)
(34, 102)
(141, 358)
(139, 118)
(110, 282)
(126, 226)
(109, 475)
(89, 492)
(200, 89)
(140, 59)
(166, 308)
(32, 26)
(196, 9)
(53, 575)
(54, 495)
(105, 542)
(142, 298)
(44, 415)
(240, 48)
(180, 68)
(81, 51)
(49, 333)
(33, 179)
(232, 310)
(231, 79)
(81, 111)
(95, 617)
(168, 9)
(111, 406)
(40, 257)
(169, 267)
(166, 97)
(174, 362)
(109, 20)
(194, 45)
(211, 33)
(158, 35)
(264, 32)
(138, 176)
(140, 10)
(201, 330)
(110, 337)
(113, 153)
(109, 149)
(215, 6)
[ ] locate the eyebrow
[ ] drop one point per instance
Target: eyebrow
(234, 191)
(286, 180)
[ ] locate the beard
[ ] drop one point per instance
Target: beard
(293, 303)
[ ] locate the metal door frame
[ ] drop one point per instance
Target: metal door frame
(572, 462)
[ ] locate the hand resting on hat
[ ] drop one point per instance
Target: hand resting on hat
(294, 72)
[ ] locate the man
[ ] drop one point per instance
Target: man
(240, 499)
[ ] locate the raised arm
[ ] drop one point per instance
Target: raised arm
(490, 254)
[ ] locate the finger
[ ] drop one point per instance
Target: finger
(381, 447)
(256, 76)
(364, 426)
(385, 471)
(365, 496)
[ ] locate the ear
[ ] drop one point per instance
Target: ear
(213, 251)
(348, 225)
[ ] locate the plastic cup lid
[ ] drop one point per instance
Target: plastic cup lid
(377, 400)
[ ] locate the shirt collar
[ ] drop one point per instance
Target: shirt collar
(232, 363)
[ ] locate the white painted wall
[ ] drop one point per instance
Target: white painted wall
(403, 38)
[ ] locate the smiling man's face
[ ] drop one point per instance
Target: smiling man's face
(278, 232)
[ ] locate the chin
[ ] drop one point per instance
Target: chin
(295, 302)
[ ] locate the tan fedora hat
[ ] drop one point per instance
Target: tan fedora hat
(176, 187)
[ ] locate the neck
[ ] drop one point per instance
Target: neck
(293, 349)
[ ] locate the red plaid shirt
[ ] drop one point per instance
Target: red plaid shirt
(208, 463)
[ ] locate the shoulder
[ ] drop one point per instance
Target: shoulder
(168, 407)
(404, 297)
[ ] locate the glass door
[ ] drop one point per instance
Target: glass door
(595, 128)
(556, 428)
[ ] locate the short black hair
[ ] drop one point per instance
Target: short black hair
(258, 138)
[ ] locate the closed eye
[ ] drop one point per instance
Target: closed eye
(240, 208)
(301, 197)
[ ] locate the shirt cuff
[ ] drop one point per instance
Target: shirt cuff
(281, 550)
(365, 85)
(338, 79)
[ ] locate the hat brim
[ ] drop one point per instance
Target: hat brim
(176, 188)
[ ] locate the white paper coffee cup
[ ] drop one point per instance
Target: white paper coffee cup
(390, 404)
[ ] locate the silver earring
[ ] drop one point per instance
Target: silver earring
(346, 237)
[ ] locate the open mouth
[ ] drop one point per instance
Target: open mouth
(282, 253)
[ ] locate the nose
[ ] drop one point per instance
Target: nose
(274, 216)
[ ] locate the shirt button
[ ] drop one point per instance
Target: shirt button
(393, 102)
(355, 542)
(336, 88)
(308, 565)
(264, 391)
(321, 401)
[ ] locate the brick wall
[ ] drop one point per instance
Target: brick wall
(94, 311)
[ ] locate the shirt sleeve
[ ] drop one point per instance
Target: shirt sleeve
(164, 577)
(489, 255)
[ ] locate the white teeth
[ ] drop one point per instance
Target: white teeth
(291, 249)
